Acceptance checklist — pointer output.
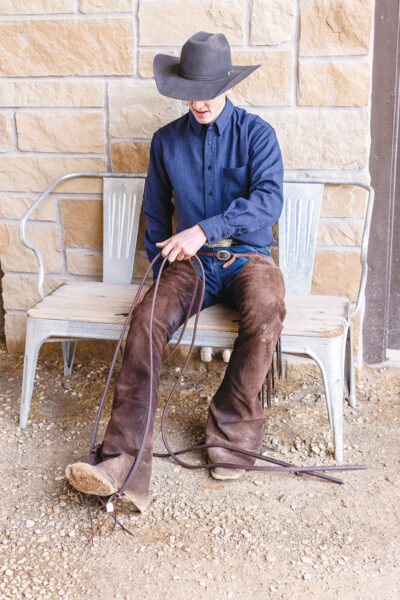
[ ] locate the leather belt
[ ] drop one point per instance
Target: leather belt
(224, 255)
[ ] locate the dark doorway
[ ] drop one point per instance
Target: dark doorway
(382, 314)
(2, 334)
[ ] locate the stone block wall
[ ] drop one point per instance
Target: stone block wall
(77, 93)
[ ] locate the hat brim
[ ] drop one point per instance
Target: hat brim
(170, 83)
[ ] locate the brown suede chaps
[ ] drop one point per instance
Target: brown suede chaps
(236, 416)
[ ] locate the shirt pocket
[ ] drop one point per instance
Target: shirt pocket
(235, 183)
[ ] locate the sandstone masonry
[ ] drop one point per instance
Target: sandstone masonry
(77, 93)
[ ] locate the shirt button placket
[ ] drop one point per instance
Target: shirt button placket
(209, 177)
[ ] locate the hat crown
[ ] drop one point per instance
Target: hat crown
(206, 56)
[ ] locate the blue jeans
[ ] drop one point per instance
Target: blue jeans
(219, 277)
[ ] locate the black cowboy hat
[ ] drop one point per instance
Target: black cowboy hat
(203, 71)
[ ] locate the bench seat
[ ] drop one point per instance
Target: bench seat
(97, 302)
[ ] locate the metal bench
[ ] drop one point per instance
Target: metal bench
(315, 326)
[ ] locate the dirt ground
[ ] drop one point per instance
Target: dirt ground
(267, 535)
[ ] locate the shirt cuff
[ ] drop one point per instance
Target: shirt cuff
(215, 229)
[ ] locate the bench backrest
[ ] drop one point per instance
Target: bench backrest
(122, 202)
(297, 238)
(298, 226)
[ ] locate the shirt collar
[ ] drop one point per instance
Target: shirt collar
(224, 118)
(220, 122)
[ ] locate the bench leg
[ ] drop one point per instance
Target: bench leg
(34, 341)
(330, 358)
(350, 369)
(68, 349)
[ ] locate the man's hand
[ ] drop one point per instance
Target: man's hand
(183, 245)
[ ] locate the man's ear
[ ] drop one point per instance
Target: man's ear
(230, 90)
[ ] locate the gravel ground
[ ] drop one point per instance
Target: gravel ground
(267, 535)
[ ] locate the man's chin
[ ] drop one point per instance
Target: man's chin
(203, 120)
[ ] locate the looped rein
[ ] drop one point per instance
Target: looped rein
(282, 466)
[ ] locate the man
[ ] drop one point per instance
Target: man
(225, 169)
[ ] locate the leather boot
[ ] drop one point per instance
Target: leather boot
(236, 416)
(126, 427)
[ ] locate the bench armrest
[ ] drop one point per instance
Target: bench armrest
(364, 249)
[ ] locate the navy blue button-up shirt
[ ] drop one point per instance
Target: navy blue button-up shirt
(226, 177)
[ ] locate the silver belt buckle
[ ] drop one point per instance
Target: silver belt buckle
(223, 255)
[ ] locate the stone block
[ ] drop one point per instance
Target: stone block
(84, 262)
(66, 47)
(141, 264)
(172, 22)
(83, 222)
(15, 328)
(335, 27)
(91, 6)
(270, 84)
(34, 174)
(299, 368)
(141, 232)
(6, 137)
(272, 22)
(15, 257)
(334, 83)
(321, 139)
(60, 131)
(336, 273)
(137, 109)
(337, 232)
(146, 58)
(50, 93)
(13, 208)
(36, 7)
(344, 201)
(130, 157)
(21, 291)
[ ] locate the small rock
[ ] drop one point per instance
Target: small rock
(29, 523)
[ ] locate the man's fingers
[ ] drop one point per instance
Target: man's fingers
(181, 256)
(173, 254)
(162, 244)
(166, 250)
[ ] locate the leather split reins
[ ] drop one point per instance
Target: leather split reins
(316, 471)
